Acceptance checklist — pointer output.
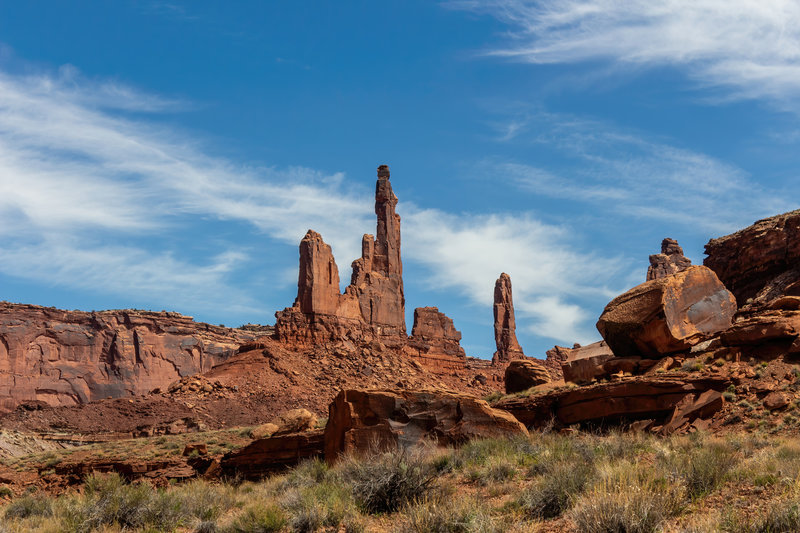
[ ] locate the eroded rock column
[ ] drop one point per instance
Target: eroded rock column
(505, 326)
(670, 261)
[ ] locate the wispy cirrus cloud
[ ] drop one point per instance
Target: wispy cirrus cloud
(79, 174)
(635, 176)
(748, 48)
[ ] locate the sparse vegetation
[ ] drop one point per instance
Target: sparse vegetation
(616, 482)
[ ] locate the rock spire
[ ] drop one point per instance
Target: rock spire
(670, 261)
(505, 335)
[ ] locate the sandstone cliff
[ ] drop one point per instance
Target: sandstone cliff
(761, 261)
(73, 357)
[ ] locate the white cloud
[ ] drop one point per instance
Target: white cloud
(749, 47)
(468, 253)
(634, 177)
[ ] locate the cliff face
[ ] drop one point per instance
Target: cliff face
(761, 261)
(435, 340)
(505, 326)
(72, 357)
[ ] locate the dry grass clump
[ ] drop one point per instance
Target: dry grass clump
(628, 499)
(448, 515)
(701, 463)
(256, 518)
(553, 493)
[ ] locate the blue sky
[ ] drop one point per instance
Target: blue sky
(170, 155)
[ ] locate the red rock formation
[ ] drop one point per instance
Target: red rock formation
(585, 363)
(521, 375)
(273, 454)
(670, 261)
(631, 399)
(555, 357)
(761, 261)
(361, 420)
(435, 340)
(73, 357)
(505, 326)
(667, 315)
(372, 306)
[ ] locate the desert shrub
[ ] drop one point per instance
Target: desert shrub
(323, 505)
(385, 482)
(703, 466)
(203, 500)
(259, 518)
(552, 494)
(5, 492)
(496, 470)
(629, 498)
(446, 516)
(307, 473)
(780, 517)
(29, 505)
(517, 450)
(108, 500)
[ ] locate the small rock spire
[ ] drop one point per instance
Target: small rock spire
(670, 261)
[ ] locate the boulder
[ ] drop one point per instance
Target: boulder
(761, 261)
(585, 363)
(692, 407)
(670, 261)
(777, 400)
(199, 448)
(264, 430)
(505, 326)
(761, 328)
(667, 315)
(555, 357)
(522, 375)
(274, 454)
(362, 420)
(294, 421)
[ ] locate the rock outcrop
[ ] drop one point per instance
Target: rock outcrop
(73, 357)
(585, 363)
(670, 261)
(371, 311)
(372, 306)
(273, 454)
(762, 261)
(363, 420)
(631, 399)
(505, 326)
(667, 315)
(435, 340)
(521, 375)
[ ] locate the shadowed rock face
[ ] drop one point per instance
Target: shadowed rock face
(667, 315)
(505, 325)
(73, 357)
(670, 261)
(761, 261)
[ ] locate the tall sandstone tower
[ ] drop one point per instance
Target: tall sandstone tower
(372, 306)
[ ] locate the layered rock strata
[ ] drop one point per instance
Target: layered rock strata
(73, 357)
(670, 261)
(372, 306)
(762, 261)
(505, 325)
(435, 340)
(667, 315)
